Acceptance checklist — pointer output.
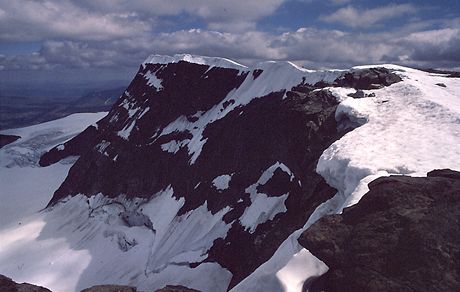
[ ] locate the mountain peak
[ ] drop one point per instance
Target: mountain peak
(196, 59)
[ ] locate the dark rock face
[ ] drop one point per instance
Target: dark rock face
(110, 288)
(8, 285)
(186, 90)
(77, 146)
(402, 236)
(294, 131)
(129, 152)
(7, 139)
(373, 78)
(358, 94)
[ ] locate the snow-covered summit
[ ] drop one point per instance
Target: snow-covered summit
(202, 60)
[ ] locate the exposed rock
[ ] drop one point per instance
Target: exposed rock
(76, 146)
(8, 285)
(441, 84)
(110, 288)
(136, 219)
(373, 78)
(171, 288)
(358, 94)
(402, 236)
(7, 139)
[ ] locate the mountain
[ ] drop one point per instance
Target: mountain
(97, 100)
(205, 172)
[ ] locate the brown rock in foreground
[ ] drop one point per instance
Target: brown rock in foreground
(404, 235)
(8, 285)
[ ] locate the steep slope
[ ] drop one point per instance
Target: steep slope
(402, 236)
(203, 165)
(408, 128)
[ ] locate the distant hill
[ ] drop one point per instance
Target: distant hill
(102, 99)
(19, 111)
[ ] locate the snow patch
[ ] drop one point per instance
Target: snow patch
(101, 147)
(221, 182)
(126, 131)
(264, 208)
(153, 80)
(174, 146)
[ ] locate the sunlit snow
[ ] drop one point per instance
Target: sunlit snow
(263, 207)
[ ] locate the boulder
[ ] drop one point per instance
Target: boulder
(402, 236)
(8, 285)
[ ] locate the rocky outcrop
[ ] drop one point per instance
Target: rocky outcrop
(7, 139)
(402, 236)
(74, 147)
(372, 78)
(8, 285)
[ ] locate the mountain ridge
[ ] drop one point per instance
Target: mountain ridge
(202, 170)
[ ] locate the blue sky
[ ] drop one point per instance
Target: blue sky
(101, 40)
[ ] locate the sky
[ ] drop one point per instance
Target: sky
(102, 42)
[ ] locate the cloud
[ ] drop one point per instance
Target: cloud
(322, 46)
(357, 18)
(27, 20)
(441, 45)
(311, 46)
(120, 34)
(95, 20)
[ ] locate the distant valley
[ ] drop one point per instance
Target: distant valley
(20, 111)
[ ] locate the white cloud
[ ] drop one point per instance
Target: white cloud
(441, 45)
(30, 20)
(27, 20)
(354, 17)
(311, 46)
